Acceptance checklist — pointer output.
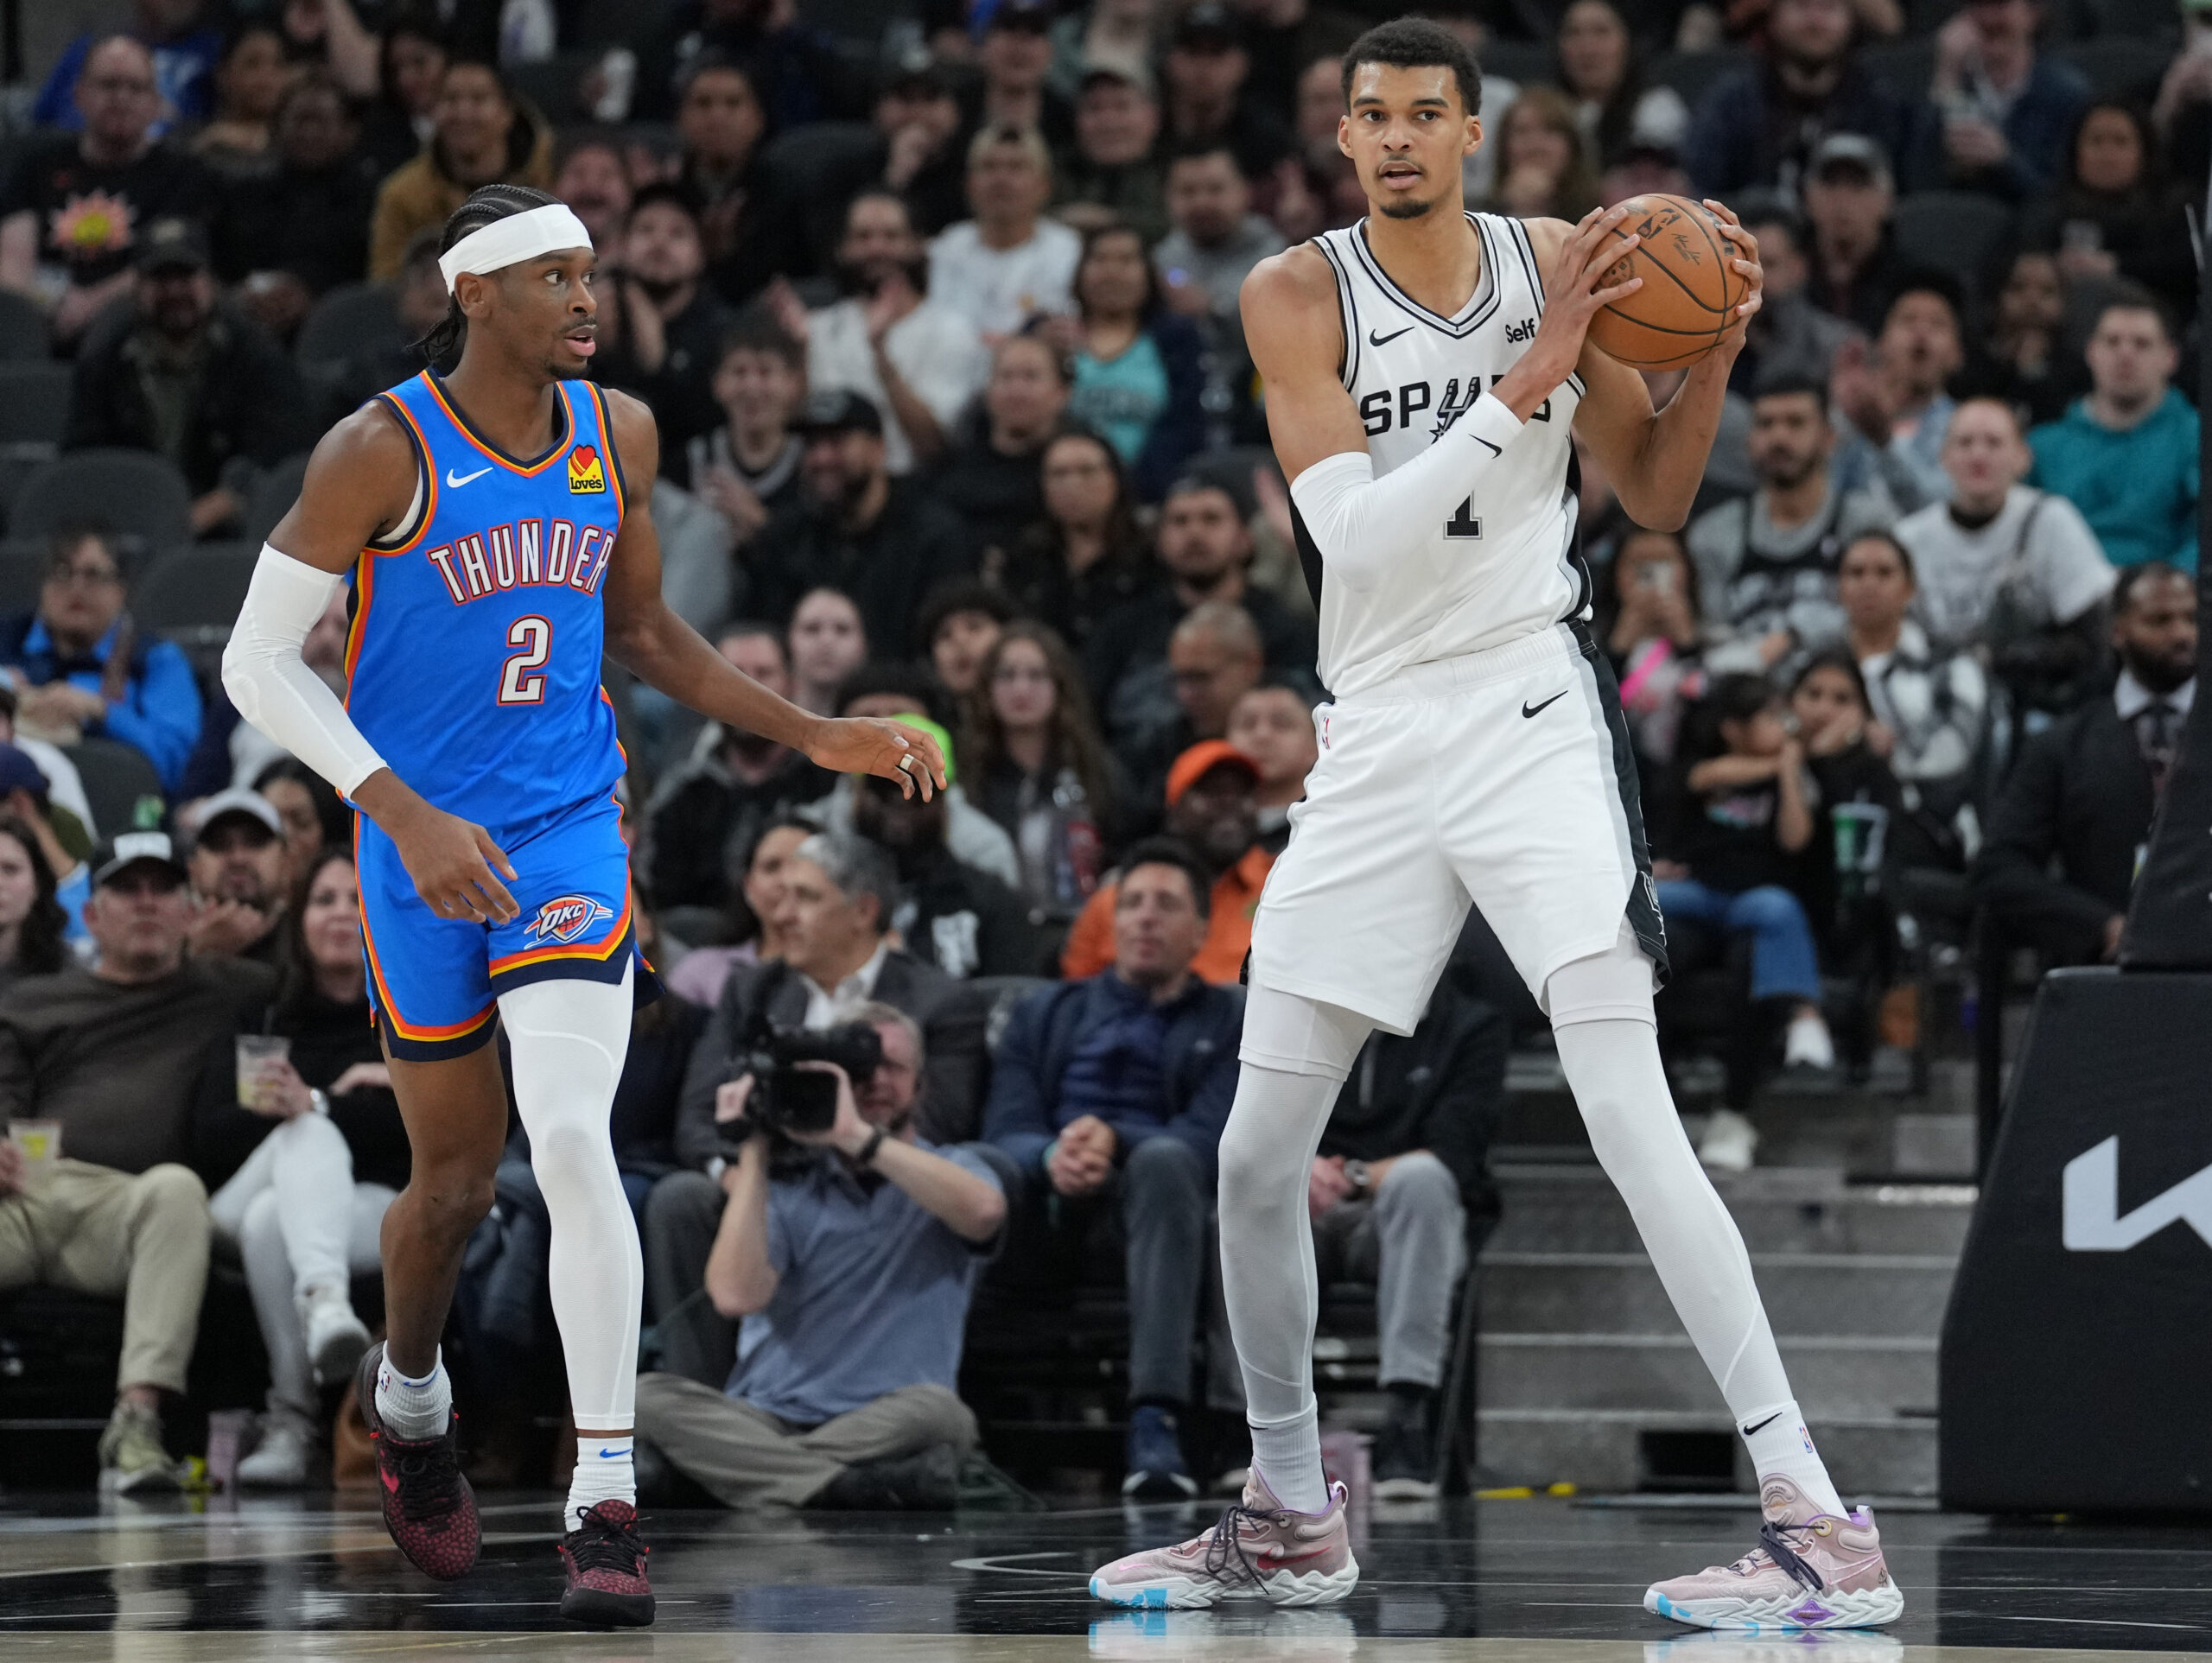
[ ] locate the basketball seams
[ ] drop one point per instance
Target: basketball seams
(1695, 299)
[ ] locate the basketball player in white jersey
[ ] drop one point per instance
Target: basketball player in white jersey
(1423, 372)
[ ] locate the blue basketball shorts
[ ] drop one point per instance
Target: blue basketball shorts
(435, 983)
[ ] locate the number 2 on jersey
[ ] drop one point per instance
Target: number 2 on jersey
(534, 635)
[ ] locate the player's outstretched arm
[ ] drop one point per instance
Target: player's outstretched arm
(1655, 460)
(649, 640)
(1358, 522)
(359, 485)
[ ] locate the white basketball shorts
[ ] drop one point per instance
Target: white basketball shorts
(1505, 777)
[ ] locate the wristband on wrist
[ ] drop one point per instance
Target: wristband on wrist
(865, 1158)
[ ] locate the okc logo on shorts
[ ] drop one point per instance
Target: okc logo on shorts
(563, 918)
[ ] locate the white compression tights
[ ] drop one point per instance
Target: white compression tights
(568, 1038)
(1296, 1054)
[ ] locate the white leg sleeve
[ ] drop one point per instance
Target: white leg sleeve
(1613, 1067)
(271, 685)
(568, 1038)
(1297, 1052)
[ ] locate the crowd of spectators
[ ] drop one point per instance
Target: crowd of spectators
(940, 328)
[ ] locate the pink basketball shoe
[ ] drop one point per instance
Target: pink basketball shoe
(1258, 1550)
(1811, 1569)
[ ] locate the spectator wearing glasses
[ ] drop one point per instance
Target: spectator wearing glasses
(177, 36)
(73, 208)
(850, 1256)
(183, 372)
(81, 668)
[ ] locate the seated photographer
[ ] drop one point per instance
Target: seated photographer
(849, 1252)
(1403, 1160)
(832, 917)
(1110, 1095)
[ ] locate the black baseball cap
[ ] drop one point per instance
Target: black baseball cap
(118, 854)
(173, 245)
(1033, 16)
(841, 412)
(1210, 26)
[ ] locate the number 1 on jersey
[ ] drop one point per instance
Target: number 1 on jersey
(1464, 522)
(534, 635)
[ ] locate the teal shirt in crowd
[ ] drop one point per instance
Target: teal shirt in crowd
(1120, 399)
(2137, 489)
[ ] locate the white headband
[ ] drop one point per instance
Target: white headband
(510, 241)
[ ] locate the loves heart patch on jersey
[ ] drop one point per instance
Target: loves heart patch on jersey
(585, 476)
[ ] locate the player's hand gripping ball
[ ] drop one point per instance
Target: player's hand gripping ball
(1692, 288)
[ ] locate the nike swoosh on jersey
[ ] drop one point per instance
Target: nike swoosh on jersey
(1374, 340)
(454, 481)
(1529, 710)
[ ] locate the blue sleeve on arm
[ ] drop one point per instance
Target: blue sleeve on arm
(159, 713)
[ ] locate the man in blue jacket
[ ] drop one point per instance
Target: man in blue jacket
(2126, 455)
(1759, 126)
(1110, 1095)
(64, 661)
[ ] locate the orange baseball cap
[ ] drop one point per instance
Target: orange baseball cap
(1206, 755)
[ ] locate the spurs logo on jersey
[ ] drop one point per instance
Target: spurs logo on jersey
(1502, 565)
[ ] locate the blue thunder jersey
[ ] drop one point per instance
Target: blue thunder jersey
(472, 663)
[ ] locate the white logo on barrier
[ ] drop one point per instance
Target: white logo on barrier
(2091, 1220)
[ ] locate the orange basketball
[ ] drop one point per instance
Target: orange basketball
(1691, 286)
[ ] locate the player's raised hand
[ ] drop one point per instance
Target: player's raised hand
(1747, 263)
(1573, 291)
(889, 750)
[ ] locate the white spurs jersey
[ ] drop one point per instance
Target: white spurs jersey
(1505, 564)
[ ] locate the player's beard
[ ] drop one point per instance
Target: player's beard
(1403, 210)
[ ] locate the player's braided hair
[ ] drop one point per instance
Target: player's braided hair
(441, 348)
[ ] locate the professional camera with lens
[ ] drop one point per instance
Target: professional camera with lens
(786, 1097)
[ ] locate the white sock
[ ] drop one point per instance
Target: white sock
(1808, 1042)
(412, 1410)
(1779, 1443)
(1287, 1458)
(604, 1473)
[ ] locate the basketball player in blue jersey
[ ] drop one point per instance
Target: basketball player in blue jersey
(494, 516)
(1424, 369)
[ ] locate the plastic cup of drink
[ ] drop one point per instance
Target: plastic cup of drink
(39, 1142)
(255, 1052)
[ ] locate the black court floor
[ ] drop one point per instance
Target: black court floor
(1496, 1581)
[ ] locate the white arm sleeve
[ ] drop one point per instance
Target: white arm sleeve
(271, 685)
(1358, 521)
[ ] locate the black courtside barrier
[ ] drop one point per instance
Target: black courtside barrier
(2077, 1349)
